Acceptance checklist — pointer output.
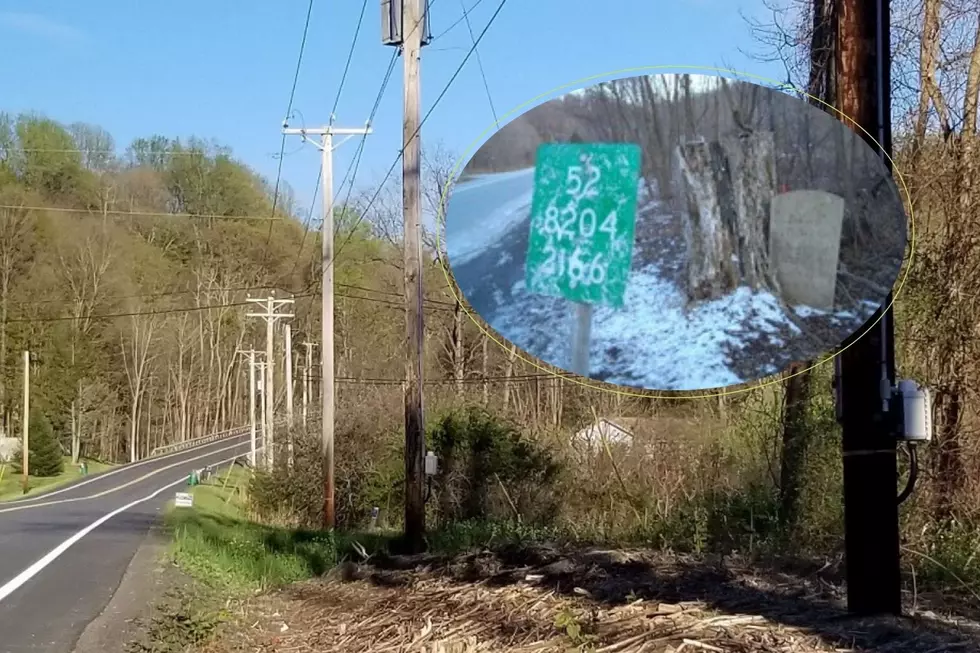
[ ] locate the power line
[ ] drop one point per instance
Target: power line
(479, 62)
(289, 108)
(415, 134)
(434, 304)
(167, 293)
(451, 381)
(39, 150)
(391, 293)
(143, 214)
(108, 316)
(458, 21)
(350, 55)
(355, 162)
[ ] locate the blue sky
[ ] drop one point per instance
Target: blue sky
(223, 69)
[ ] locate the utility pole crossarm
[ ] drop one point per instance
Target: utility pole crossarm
(322, 131)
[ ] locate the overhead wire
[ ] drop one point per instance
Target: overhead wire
(451, 381)
(350, 55)
(141, 214)
(422, 122)
(479, 61)
(355, 161)
(458, 21)
(432, 303)
(289, 108)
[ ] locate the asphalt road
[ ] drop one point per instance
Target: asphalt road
(63, 553)
(487, 224)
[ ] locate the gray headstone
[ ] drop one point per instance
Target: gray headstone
(804, 246)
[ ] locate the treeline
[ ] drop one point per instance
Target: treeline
(127, 274)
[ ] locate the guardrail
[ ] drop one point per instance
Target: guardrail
(196, 442)
(214, 437)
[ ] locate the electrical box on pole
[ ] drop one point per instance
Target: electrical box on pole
(914, 404)
(392, 23)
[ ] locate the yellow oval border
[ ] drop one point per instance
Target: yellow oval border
(619, 74)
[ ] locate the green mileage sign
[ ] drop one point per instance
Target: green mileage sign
(582, 218)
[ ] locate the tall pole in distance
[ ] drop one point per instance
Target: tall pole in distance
(412, 31)
(250, 355)
(251, 407)
(288, 335)
(25, 445)
(326, 147)
(306, 389)
(307, 380)
(326, 334)
(260, 373)
(268, 395)
(866, 368)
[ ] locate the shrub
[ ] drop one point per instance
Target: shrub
(489, 468)
(44, 456)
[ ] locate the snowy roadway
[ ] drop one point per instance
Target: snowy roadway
(656, 341)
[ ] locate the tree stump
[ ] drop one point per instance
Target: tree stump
(752, 163)
(709, 220)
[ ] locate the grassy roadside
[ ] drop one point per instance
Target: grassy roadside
(11, 482)
(218, 545)
(227, 558)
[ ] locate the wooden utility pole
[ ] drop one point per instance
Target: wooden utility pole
(307, 380)
(271, 316)
(326, 148)
(866, 369)
(288, 354)
(414, 320)
(250, 355)
(260, 374)
(25, 445)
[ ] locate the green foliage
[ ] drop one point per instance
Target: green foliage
(216, 544)
(366, 479)
(480, 453)
(44, 456)
(461, 536)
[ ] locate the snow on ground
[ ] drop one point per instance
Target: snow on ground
(658, 340)
(663, 345)
(468, 235)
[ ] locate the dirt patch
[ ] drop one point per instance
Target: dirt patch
(544, 600)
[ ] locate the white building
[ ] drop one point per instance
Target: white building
(614, 430)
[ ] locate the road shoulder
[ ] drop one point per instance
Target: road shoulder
(149, 577)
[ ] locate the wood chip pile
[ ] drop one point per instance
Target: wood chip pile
(522, 609)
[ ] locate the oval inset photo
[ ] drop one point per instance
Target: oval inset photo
(675, 232)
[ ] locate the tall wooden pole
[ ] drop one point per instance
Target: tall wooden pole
(327, 308)
(25, 445)
(866, 368)
(260, 373)
(268, 390)
(251, 408)
(326, 335)
(414, 325)
(288, 346)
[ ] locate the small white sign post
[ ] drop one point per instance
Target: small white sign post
(184, 500)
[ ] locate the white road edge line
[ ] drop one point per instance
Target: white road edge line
(57, 502)
(17, 581)
(121, 468)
